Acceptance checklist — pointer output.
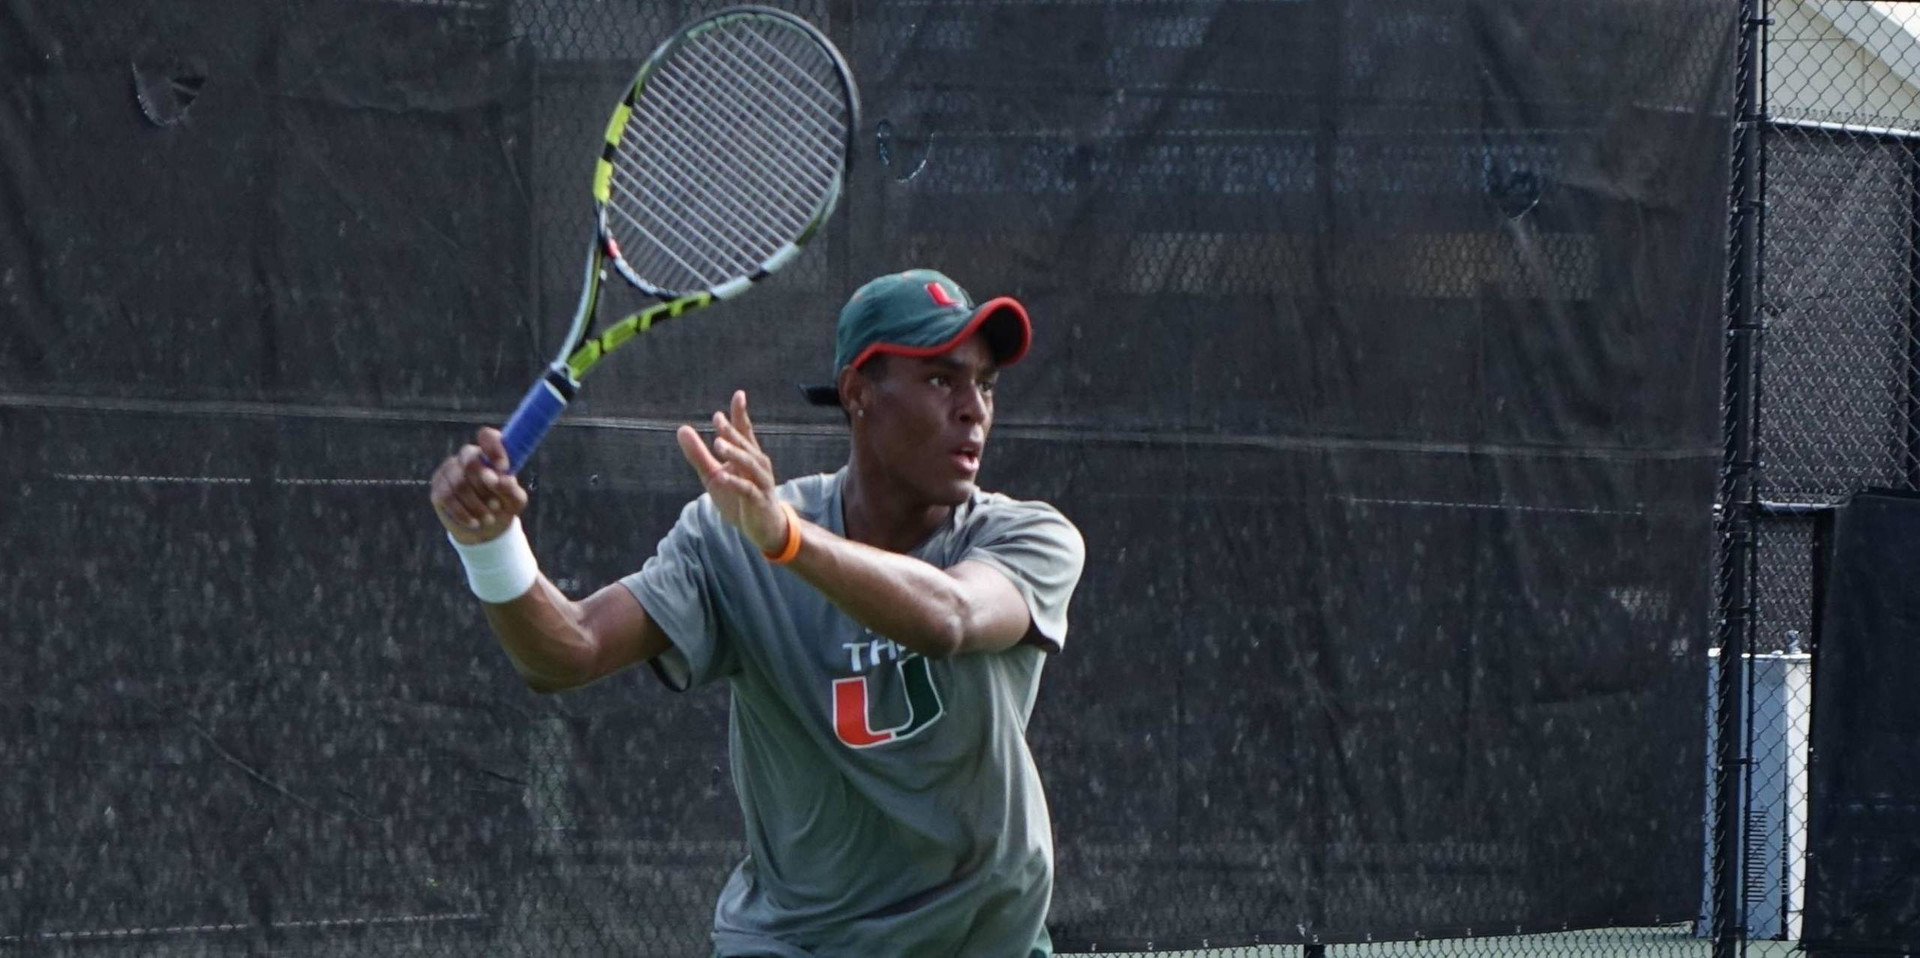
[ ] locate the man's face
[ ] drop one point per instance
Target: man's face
(928, 419)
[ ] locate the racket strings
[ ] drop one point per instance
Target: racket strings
(697, 217)
(747, 114)
(807, 108)
(700, 203)
(830, 96)
(760, 156)
(740, 221)
(758, 171)
(686, 238)
(709, 201)
(819, 151)
(663, 249)
(699, 199)
(793, 157)
(760, 137)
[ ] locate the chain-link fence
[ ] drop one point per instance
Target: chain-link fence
(1832, 411)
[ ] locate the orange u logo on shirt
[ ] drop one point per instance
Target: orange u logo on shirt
(852, 722)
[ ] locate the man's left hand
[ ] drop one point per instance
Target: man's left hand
(738, 475)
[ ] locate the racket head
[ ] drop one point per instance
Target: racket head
(727, 154)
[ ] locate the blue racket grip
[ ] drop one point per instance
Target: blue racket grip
(538, 411)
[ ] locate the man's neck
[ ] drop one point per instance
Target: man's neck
(884, 514)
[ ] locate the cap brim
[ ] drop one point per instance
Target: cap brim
(828, 395)
(1002, 320)
(1008, 330)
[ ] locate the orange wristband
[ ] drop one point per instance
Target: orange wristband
(792, 546)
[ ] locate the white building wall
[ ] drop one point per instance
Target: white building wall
(1845, 61)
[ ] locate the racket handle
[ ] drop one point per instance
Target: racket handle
(538, 411)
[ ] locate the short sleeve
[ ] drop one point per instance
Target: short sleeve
(674, 586)
(1042, 553)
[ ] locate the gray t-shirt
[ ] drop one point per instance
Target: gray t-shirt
(892, 806)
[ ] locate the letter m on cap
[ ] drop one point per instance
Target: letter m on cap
(940, 295)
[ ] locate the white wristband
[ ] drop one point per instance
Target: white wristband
(500, 569)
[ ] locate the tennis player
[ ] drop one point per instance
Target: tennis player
(882, 630)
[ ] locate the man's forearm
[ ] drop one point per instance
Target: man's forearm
(909, 601)
(542, 635)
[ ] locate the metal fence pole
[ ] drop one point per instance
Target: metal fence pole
(1740, 499)
(1910, 409)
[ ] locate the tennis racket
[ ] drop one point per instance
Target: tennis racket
(724, 158)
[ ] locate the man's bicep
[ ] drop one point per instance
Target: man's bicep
(624, 634)
(1041, 554)
(997, 614)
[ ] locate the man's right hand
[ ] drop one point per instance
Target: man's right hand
(473, 499)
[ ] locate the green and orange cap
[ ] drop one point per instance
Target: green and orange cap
(920, 313)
